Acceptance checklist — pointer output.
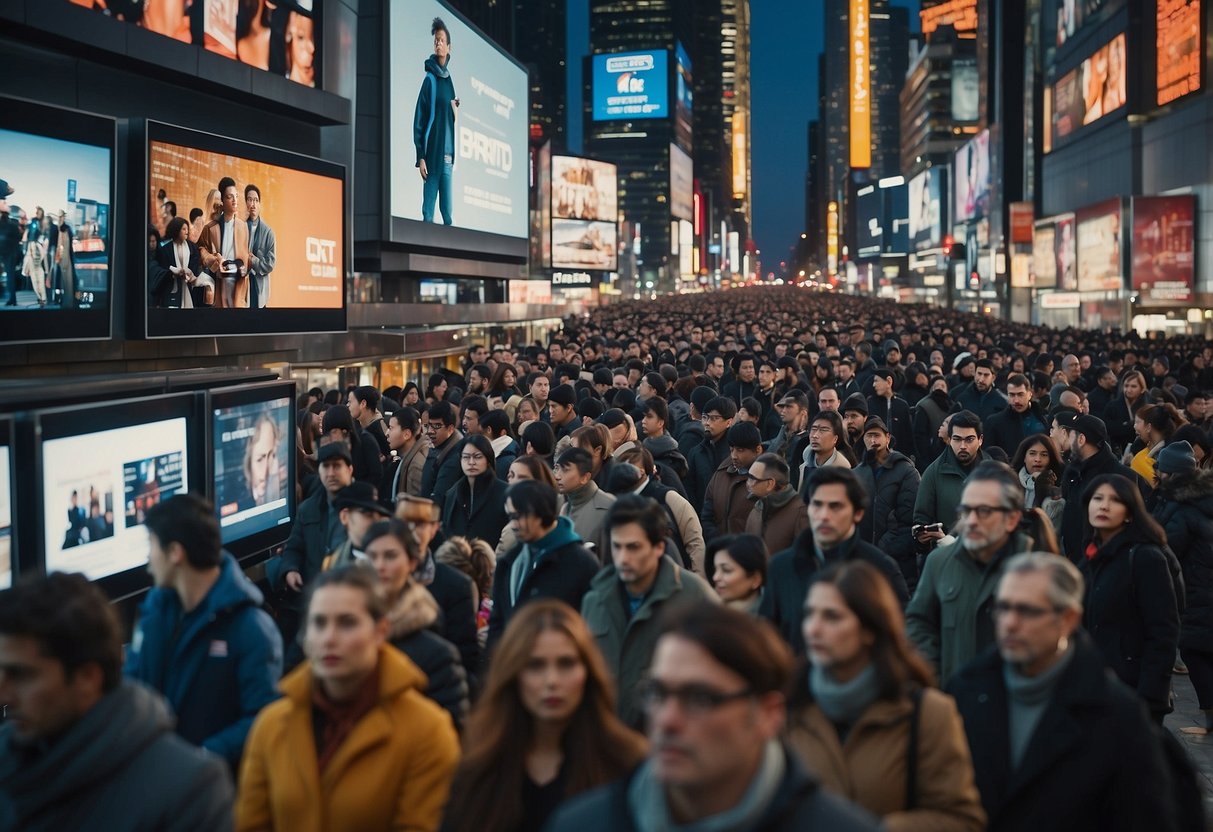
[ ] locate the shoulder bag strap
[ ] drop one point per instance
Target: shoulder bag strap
(912, 751)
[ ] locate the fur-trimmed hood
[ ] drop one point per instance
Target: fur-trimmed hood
(1190, 489)
(416, 610)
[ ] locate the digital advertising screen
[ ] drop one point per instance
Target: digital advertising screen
(682, 184)
(1178, 56)
(684, 87)
(1164, 241)
(869, 222)
(458, 125)
(1099, 247)
(971, 175)
(1094, 89)
(1072, 15)
(57, 223)
(6, 518)
(97, 485)
(926, 203)
(282, 38)
(1065, 253)
(584, 211)
(966, 90)
(631, 85)
(249, 240)
(253, 446)
(1044, 257)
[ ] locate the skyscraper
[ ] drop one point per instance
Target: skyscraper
(493, 17)
(542, 44)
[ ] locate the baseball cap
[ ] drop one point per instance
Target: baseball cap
(1090, 426)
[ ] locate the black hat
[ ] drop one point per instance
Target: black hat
(875, 423)
(613, 418)
(701, 395)
(891, 345)
(1091, 427)
(857, 403)
(361, 495)
(1177, 458)
(563, 394)
(590, 408)
(334, 450)
(603, 376)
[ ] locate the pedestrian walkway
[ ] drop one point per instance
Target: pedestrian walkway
(1200, 746)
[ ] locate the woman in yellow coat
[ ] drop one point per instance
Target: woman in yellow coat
(354, 745)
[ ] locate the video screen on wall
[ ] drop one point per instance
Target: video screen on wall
(1099, 247)
(56, 223)
(1094, 89)
(1044, 257)
(926, 219)
(684, 91)
(252, 436)
(631, 85)
(1073, 15)
(279, 36)
(971, 175)
(7, 567)
(1164, 241)
(241, 239)
(1179, 56)
(100, 477)
(585, 208)
(459, 124)
(1065, 253)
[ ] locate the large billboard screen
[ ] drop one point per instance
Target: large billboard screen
(585, 210)
(1099, 247)
(861, 86)
(458, 125)
(1065, 253)
(1044, 257)
(1091, 91)
(971, 175)
(56, 223)
(926, 218)
(631, 85)
(253, 455)
(869, 222)
(684, 88)
(254, 230)
(280, 38)
(1163, 247)
(6, 518)
(1179, 56)
(682, 184)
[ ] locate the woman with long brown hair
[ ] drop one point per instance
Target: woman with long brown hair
(866, 718)
(1039, 466)
(544, 729)
(1120, 412)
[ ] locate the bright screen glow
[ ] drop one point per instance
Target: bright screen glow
(252, 443)
(6, 519)
(631, 85)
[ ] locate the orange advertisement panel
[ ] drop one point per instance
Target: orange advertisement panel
(861, 86)
(1179, 53)
(961, 15)
(304, 211)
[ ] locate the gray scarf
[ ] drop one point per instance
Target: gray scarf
(648, 808)
(844, 702)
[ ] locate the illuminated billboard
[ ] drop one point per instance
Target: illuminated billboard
(971, 177)
(584, 212)
(631, 85)
(740, 155)
(1099, 246)
(926, 218)
(682, 184)
(1091, 91)
(861, 87)
(966, 91)
(1073, 15)
(1179, 56)
(1044, 257)
(1163, 248)
(961, 15)
(684, 87)
(869, 222)
(1064, 254)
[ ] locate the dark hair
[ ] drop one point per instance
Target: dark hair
(353, 575)
(171, 206)
(438, 26)
(251, 188)
(539, 435)
(578, 458)
(748, 550)
(498, 421)
(1194, 436)
(644, 512)
(1019, 380)
(658, 407)
(394, 527)
(744, 435)
(407, 418)
(840, 433)
(965, 419)
(195, 213)
(533, 498)
(776, 467)
(443, 411)
(481, 443)
(1163, 418)
(70, 618)
(225, 183)
(723, 405)
(476, 403)
(1055, 464)
(174, 228)
(367, 394)
(189, 520)
(538, 469)
(1140, 527)
(868, 595)
(746, 645)
(857, 495)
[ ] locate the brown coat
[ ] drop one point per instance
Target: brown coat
(870, 768)
(727, 506)
(781, 526)
(210, 248)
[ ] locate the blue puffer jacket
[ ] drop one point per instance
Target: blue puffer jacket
(217, 665)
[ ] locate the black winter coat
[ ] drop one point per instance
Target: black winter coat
(897, 418)
(704, 459)
(1006, 429)
(890, 513)
(1185, 511)
(442, 469)
(454, 593)
(1093, 764)
(1074, 480)
(476, 514)
(413, 620)
(1119, 420)
(928, 415)
(1130, 612)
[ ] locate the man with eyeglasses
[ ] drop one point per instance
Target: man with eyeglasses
(625, 599)
(944, 479)
(1057, 743)
(714, 697)
(778, 515)
(705, 458)
(949, 617)
(442, 469)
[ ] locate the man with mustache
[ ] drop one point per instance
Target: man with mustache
(944, 478)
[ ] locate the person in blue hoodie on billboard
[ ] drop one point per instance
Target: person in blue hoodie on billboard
(434, 127)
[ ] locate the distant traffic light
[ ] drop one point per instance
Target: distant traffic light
(948, 242)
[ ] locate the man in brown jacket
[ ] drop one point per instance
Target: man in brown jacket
(223, 246)
(726, 506)
(779, 514)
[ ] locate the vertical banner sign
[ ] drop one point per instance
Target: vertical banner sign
(832, 239)
(861, 87)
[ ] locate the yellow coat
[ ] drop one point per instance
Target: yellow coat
(392, 772)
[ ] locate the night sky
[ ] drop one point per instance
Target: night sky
(785, 40)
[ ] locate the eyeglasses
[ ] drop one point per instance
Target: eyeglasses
(1027, 612)
(472, 457)
(695, 700)
(513, 515)
(821, 429)
(430, 427)
(982, 512)
(753, 478)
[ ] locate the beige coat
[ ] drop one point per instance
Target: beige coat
(210, 248)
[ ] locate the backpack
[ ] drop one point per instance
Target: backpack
(1176, 570)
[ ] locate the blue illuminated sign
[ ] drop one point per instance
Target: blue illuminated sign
(631, 85)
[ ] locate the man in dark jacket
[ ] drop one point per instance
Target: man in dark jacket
(1020, 419)
(725, 505)
(442, 464)
(893, 410)
(891, 480)
(1090, 457)
(318, 529)
(691, 432)
(705, 458)
(83, 748)
(836, 506)
(670, 462)
(203, 640)
(746, 383)
(981, 397)
(549, 560)
(1058, 744)
(727, 673)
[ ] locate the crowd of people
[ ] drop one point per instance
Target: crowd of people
(768, 560)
